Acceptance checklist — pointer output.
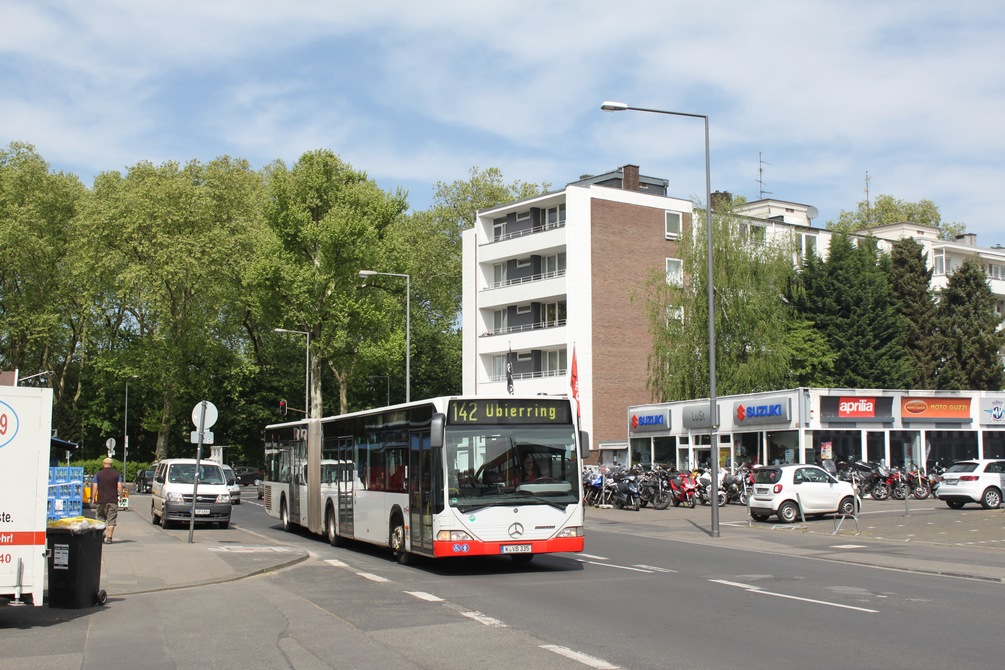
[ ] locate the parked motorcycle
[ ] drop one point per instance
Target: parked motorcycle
(704, 481)
(683, 489)
(626, 491)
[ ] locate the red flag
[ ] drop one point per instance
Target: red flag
(574, 379)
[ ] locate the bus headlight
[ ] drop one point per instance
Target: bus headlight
(571, 531)
(453, 536)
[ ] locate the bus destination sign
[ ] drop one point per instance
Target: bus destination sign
(494, 411)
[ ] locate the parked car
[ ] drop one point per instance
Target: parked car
(973, 481)
(144, 480)
(232, 484)
(247, 475)
(781, 489)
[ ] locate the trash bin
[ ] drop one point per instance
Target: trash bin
(75, 566)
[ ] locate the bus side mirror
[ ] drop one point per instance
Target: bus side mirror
(584, 445)
(436, 430)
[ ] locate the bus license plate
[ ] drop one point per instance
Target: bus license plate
(515, 549)
(201, 512)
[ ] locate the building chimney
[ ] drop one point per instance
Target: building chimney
(722, 201)
(969, 239)
(630, 178)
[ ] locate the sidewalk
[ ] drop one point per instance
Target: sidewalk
(146, 558)
(924, 536)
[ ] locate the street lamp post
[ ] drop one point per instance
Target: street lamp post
(125, 430)
(363, 274)
(307, 367)
(713, 419)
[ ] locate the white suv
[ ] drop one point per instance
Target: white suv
(782, 489)
(973, 481)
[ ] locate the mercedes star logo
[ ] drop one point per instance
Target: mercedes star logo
(516, 530)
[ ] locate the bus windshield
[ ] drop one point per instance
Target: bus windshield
(511, 465)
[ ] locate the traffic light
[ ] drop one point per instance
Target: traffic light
(282, 407)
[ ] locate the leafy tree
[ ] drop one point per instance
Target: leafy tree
(910, 282)
(170, 240)
(848, 298)
(751, 275)
(40, 298)
(967, 340)
(811, 358)
(886, 210)
(327, 222)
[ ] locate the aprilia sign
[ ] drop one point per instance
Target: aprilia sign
(856, 408)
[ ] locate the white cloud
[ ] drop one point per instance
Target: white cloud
(416, 93)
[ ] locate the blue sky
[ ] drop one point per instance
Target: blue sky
(912, 92)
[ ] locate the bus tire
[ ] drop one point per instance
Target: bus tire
(331, 532)
(397, 540)
(284, 515)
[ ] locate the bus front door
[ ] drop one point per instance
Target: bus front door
(422, 478)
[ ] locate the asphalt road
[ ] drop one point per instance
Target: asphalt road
(638, 598)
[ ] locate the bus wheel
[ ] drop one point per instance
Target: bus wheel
(284, 515)
(398, 541)
(333, 538)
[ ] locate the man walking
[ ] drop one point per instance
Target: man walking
(105, 491)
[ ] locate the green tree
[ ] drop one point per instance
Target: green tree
(170, 240)
(967, 339)
(41, 308)
(886, 210)
(811, 358)
(751, 275)
(848, 298)
(910, 282)
(327, 222)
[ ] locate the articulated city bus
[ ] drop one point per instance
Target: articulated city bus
(452, 476)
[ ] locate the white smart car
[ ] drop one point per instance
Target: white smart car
(783, 489)
(973, 481)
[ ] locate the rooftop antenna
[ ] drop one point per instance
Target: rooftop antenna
(868, 209)
(760, 175)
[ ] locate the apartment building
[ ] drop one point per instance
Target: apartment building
(564, 271)
(778, 217)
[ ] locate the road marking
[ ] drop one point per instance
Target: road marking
(654, 568)
(239, 549)
(849, 546)
(754, 589)
(596, 558)
(579, 656)
(372, 577)
(336, 563)
(611, 565)
(484, 619)
(422, 595)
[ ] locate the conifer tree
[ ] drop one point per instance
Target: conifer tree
(910, 281)
(967, 339)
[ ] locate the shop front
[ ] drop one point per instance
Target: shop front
(805, 425)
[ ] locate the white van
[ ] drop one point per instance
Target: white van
(173, 488)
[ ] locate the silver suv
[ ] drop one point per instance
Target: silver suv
(973, 481)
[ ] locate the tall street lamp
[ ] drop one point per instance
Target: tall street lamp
(307, 367)
(713, 419)
(363, 274)
(125, 430)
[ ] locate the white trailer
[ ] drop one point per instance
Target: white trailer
(25, 429)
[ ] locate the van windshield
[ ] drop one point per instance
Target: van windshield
(184, 473)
